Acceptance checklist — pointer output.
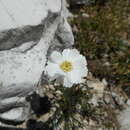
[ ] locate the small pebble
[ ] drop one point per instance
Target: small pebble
(85, 15)
(59, 92)
(52, 87)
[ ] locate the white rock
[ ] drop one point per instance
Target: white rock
(21, 68)
(124, 119)
(13, 114)
(128, 102)
(85, 15)
(16, 13)
(10, 100)
(97, 86)
(18, 68)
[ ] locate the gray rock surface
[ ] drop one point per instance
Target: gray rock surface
(124, 118)
(27, 35)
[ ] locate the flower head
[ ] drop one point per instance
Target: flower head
(66, 66)
(69, 66)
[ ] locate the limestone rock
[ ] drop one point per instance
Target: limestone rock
(24, 52)
(124, 118)
(25, 12)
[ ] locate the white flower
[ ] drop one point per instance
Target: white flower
(70, 66)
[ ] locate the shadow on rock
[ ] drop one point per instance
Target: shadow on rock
(40, 105)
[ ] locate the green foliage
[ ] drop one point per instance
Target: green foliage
(101, 38)
(77, 101)
(72, 97)
(68, 107)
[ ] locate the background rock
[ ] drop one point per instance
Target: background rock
(124, 118)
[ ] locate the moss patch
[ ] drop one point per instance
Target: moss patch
(101, 37)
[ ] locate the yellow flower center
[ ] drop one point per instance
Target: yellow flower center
(66, 66)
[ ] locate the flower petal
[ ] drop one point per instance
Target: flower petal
(53, 69)
(69, 54)
(56, 57)
(77, 74)
(79, 67)
(67, 82)
(74, 77)
(80, 61)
